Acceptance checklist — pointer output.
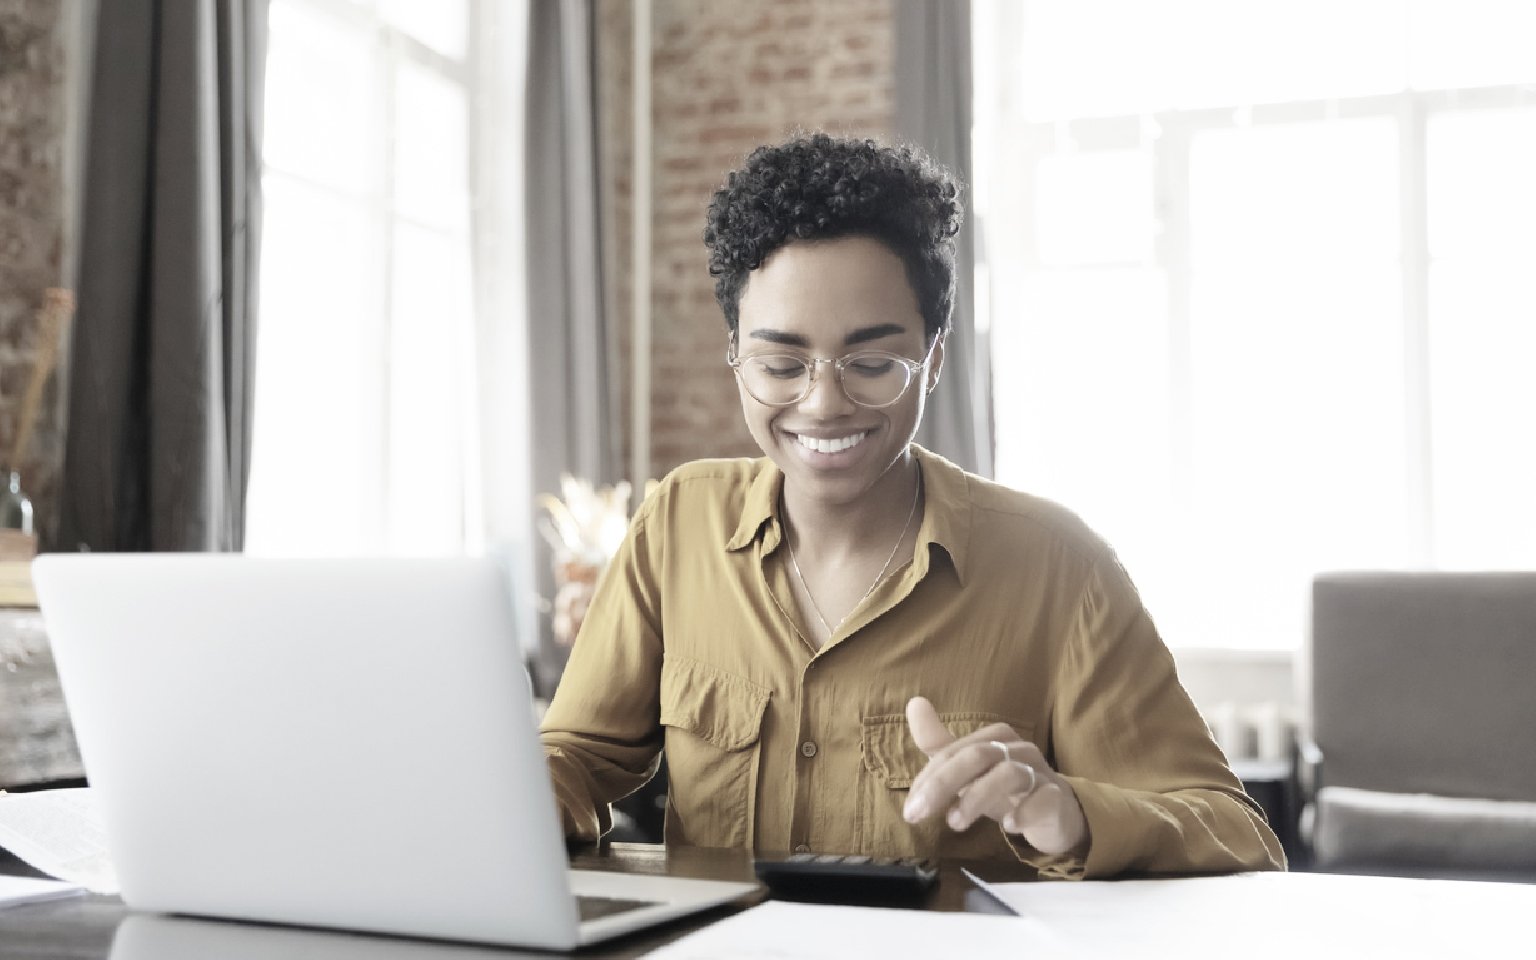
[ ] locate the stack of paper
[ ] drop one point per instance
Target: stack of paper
(60, 833)
(16, 890)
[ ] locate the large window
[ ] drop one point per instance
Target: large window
(1258, 285)
(365, 412)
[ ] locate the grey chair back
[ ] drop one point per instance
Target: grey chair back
(1426, 682)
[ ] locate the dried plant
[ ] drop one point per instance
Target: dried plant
(585, 523)
(585, 526)
(52, 320)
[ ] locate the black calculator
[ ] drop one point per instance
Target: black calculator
(847, 878)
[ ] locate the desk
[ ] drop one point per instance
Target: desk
(1267, 915)
(83, 928)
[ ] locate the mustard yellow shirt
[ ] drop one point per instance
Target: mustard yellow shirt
(1010, 609)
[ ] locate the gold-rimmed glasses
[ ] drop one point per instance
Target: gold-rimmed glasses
(870, 378)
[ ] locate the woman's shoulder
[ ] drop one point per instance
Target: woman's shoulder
(702, 477)
(1010, 516)
(702, 487)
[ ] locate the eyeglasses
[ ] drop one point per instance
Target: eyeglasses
(870, 378)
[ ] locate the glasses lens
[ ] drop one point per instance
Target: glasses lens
(874, 379)
(774, 380)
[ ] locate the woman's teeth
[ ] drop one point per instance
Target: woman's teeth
(831, 446)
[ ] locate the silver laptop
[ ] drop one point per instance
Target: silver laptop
(336, 743)
(155, 936)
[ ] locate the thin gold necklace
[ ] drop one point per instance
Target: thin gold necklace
(795, 564)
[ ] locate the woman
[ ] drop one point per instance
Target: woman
(851, 645)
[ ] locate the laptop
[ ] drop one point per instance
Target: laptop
(332, 743)
(157, 936)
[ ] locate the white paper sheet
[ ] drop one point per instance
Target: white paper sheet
(777, 930)
(60, 833)
(19, 890)
(1277, 915)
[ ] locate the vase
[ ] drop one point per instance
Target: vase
(15, 507)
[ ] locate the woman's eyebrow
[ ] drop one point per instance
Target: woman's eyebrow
(866, 334)
(780, 336)
(861, 335)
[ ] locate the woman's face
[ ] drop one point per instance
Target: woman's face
(826, 299)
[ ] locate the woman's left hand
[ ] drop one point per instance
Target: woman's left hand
(994, 773)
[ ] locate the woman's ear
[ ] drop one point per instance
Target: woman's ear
(935, 364)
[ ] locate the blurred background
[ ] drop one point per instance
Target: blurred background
(1247, 284)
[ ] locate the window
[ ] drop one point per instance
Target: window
(365, 410)
(1258, 287)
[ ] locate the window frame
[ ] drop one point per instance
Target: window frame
(1169, 136)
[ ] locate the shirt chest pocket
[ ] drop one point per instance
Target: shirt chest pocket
(713, 721)
(891, 762)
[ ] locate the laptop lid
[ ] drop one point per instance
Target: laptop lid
(344, 743)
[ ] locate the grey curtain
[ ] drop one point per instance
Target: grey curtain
(574, 417)
(573, 424)
(159, 426)
(933, 110)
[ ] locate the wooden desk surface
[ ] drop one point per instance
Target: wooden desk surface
(83, 928)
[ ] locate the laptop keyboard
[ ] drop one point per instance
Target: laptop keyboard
(595, 908)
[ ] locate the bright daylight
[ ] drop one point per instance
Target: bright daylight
(767, 478)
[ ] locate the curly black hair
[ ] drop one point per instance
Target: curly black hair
(819, 187)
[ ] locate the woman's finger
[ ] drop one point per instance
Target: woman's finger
(1000, 732)
(997, 793)
(928, 731)
(939, 783)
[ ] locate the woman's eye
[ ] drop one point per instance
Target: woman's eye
(871, 366)
(782, 369)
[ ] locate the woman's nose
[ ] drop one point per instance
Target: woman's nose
(826, 397)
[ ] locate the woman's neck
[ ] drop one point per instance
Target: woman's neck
(831, 532)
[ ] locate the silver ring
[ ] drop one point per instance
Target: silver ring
(1033, 780)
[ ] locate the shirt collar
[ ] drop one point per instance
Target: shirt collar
(946, 512)
(760, 509)
(946, 509)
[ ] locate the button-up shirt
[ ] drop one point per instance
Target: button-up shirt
(1010, 610)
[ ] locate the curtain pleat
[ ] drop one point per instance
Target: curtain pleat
(933, 111)
(574, 423)
(157, 452)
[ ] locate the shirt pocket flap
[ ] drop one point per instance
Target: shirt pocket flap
(713, 705)
(890, 753)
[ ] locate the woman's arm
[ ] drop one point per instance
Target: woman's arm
(602, 734)
(1126, 778)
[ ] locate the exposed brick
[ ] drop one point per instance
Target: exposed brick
(727, 77)
(32, 211)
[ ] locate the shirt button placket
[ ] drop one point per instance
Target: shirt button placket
(808, 750)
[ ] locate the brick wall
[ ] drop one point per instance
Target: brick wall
(33, 91)
(728, 75)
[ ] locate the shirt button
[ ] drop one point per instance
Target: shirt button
(808, 749)
(802, 848)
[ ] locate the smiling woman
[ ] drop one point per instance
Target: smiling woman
(850, 644)
(835, 447)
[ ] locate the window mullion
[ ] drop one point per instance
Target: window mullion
(472, 483)
(387, 217)
(1413, 177)
(1171, 151)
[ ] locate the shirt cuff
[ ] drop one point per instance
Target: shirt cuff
(1049, 865)
(1111, 832)
(1064, 866)
(580, 817)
